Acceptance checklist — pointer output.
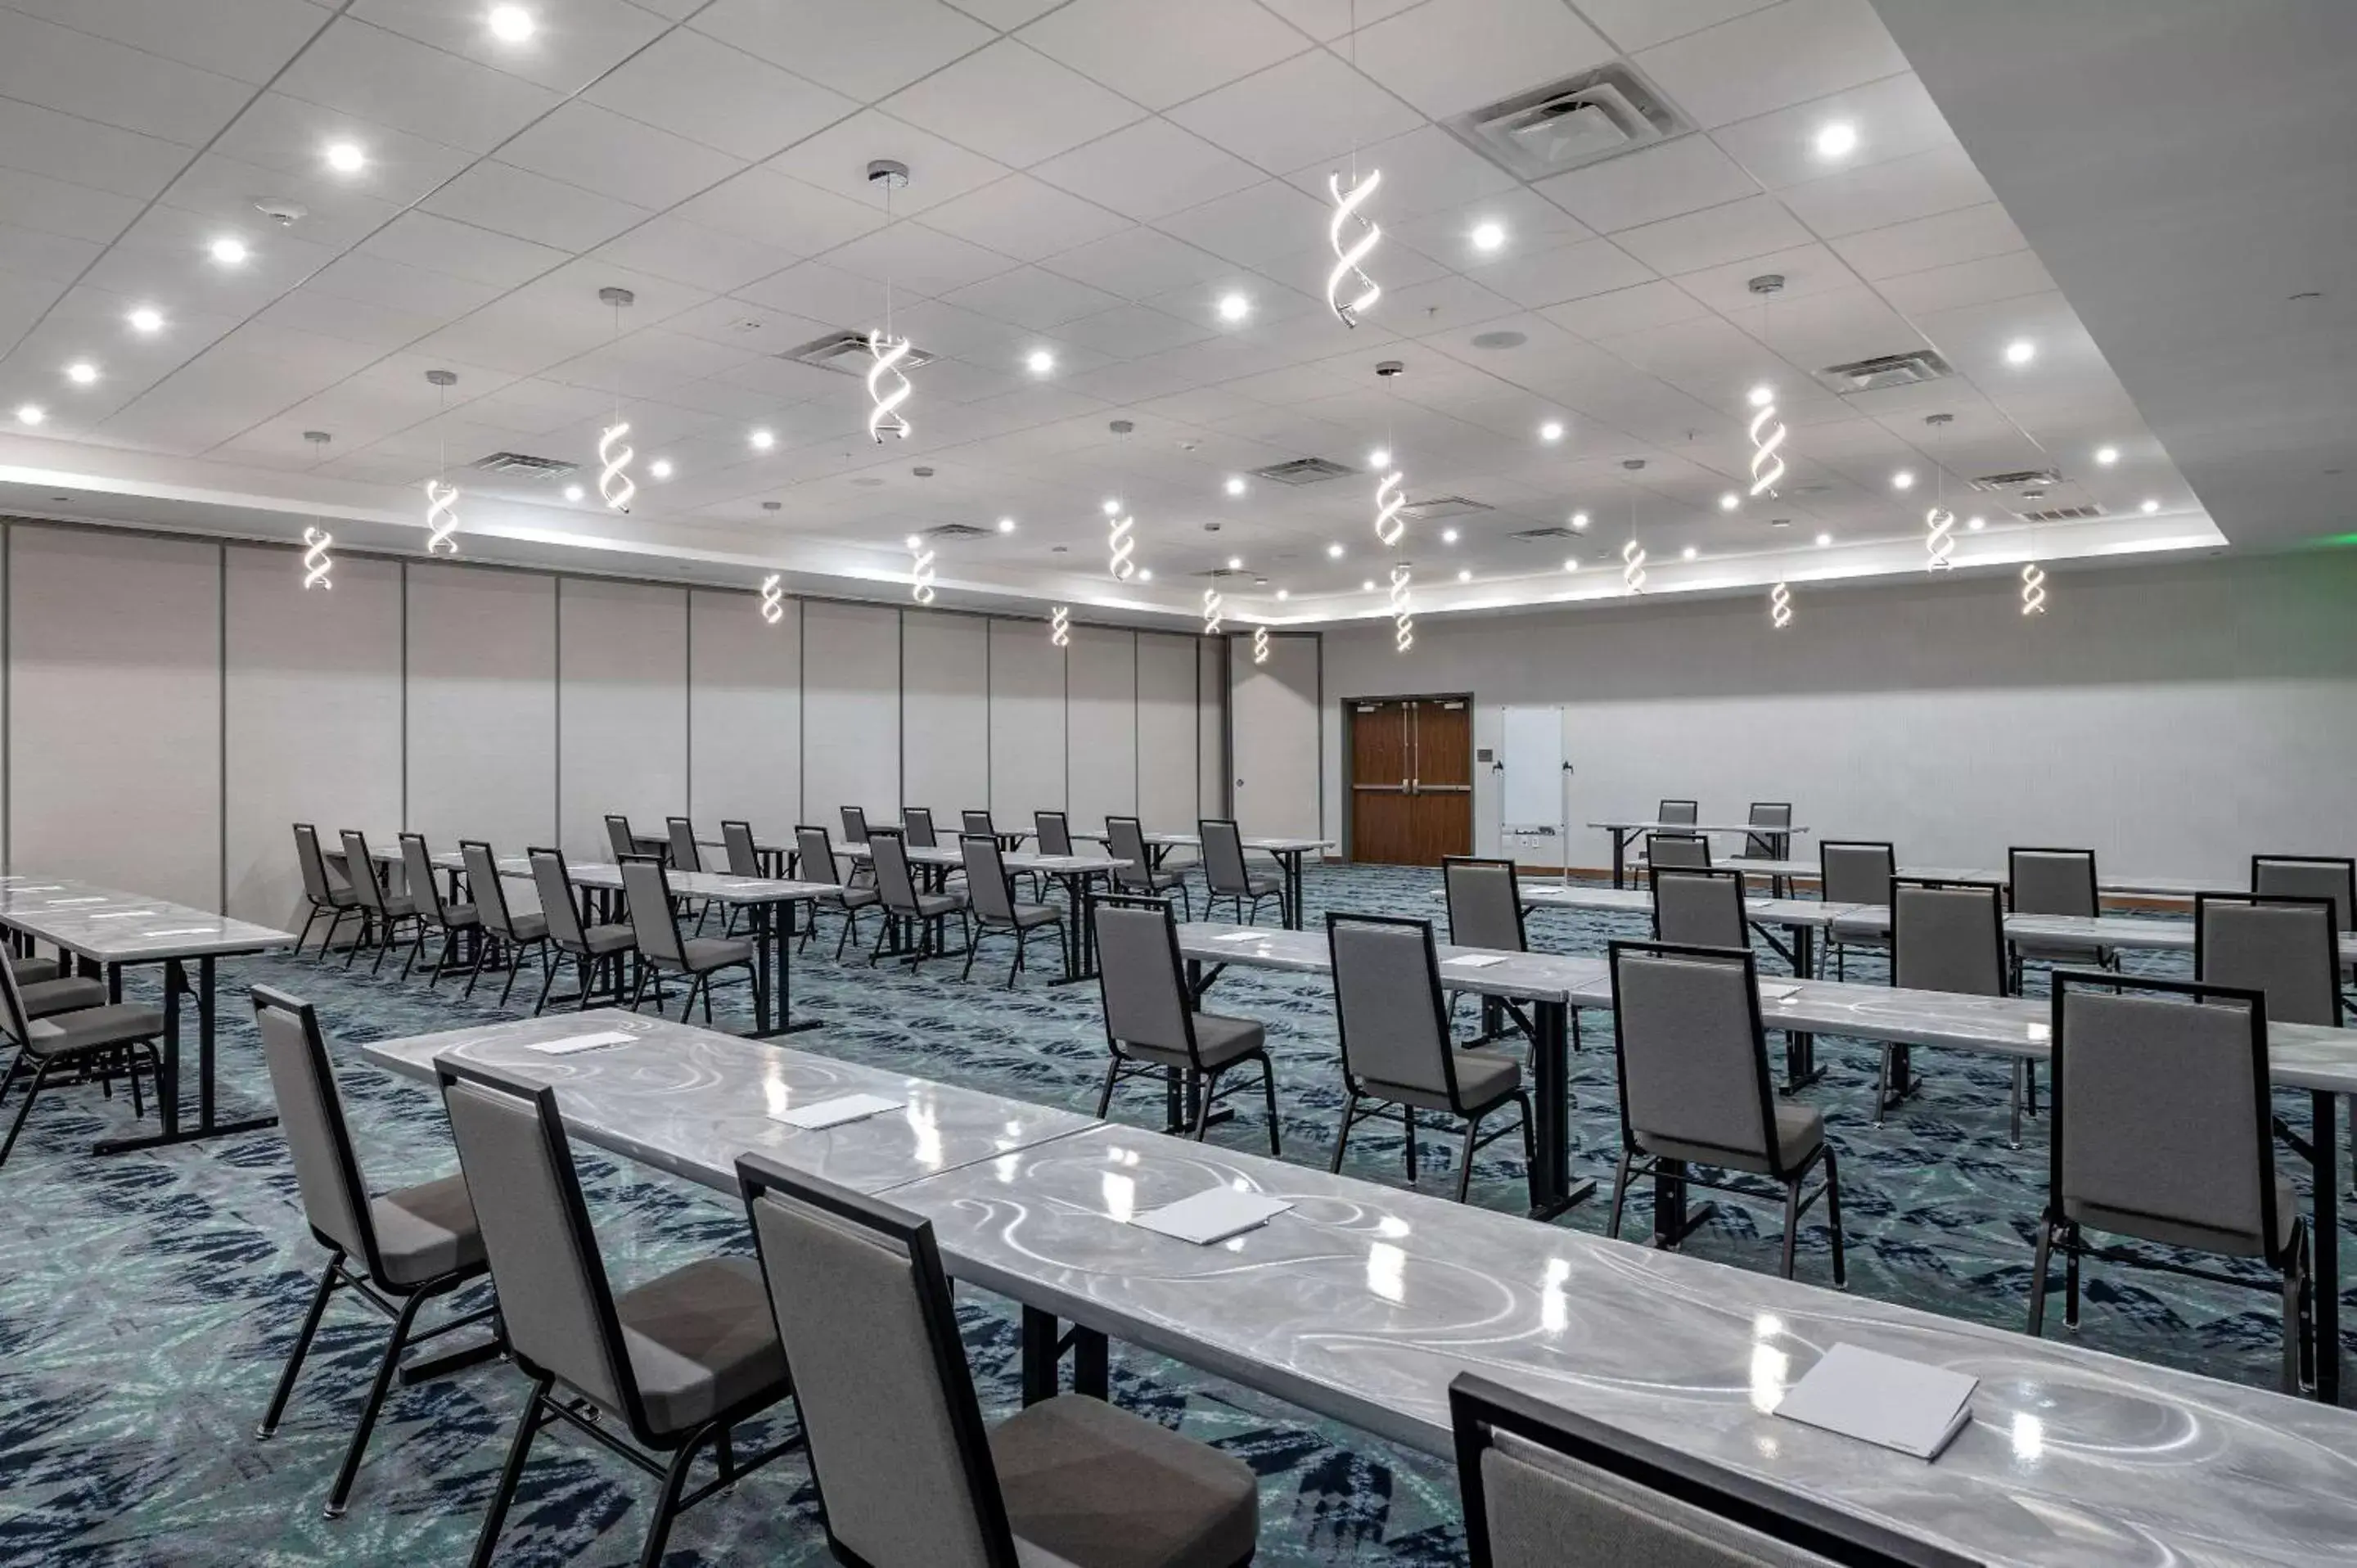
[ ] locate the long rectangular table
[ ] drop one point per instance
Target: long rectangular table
(2165, 888)
(109, 930)
(1622, 832)
(1289, 851)
(1077, 872)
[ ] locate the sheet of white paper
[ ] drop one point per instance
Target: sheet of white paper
(1883, 1400)
(1479, 960)
(92, 899)
(1211, 1216)
(1241, 937)
(834, 1112)
(125, 914)
(568, 1044)
(1778, 993)
(186, 931)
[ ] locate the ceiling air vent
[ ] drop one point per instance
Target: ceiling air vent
(1579, 119)
(1222, 572)
(848, 352)
(518, 465)
(1886, 371)
(1551, 530)
(2020, 479)
(954, 531)
(1433, 509)
(1300, 471)
(2062, 513)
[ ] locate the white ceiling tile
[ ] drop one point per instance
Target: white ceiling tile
(515, 201)
(781, 213)
(1257, 225)
(1835, 328)
(1006, 15)
(1649, 185)
(1137, 263)
(1148, 170)
(1021, 217)
(57, 258)
(696, 87)
(442, 245)
(1161, 54)
(1806, 270)
(1449, 56)
(336, 216)
(1751, 226)
(1266, 119)
(97, 79)
(1990, 278)
(1964, 235)
(83, 151)
(56, 207)
(821, 293)
(837, 160)
(245, 40)
(394, 81)
(291, 134)
(672, 247)
(1327, 20)
(1567, 272)
(1030, 298)
(577, 41)
(1129, 331)
(1636, 25)
(944, 328)
(1897, 192)
(917, 260)
(1894, 118)
(1530, 224)
(626, 159)
(414, 291)
(1626, 310)
(866, 48)
(1426, 170)
(755, 328)
(1014, 104)
(1772, 58)
(1442, 304)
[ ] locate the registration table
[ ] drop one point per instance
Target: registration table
(111, 930)
(1288, 853)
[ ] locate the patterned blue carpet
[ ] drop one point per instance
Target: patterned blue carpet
(146, 1302)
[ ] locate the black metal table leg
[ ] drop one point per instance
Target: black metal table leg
(1552, 1188)
(176, 984)
(775, 1012)
(2324, 1136)
(1801, 1069)
(1080, 931)
(1619, 864)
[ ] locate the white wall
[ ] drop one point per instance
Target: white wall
(621, 709)
(1275, 716)
(2175, 718)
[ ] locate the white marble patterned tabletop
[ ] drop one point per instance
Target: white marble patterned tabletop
(108, 926)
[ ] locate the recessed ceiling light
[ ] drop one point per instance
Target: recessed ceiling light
(1571, 565)
(1728, 500)
(1551, 430)
(1823, 539)
(1235, 484)
(1838, 140)
(2020, 351)
(1368, 587)
(510, 24)
(31, 414)
(573, 493)
(81, 372)
(660, 467)
(762, 440)
(1903, 480)
(2107, 455)
(1040, 361)
(1488, 236)
(913, 542)
(1380, 457)
(1449, 536)
(1763, 395)
(1235, 563)
(1283, 593)
(1145, 574)
(1689, 553)
(1579, 519)
(2150, 506)
(230, 252)
(145, 318)
(1464, 574)
(1975, 523)
(1111, 506)
(1006, 525)
(1234, 307)
(1334, 551)
(346, 157)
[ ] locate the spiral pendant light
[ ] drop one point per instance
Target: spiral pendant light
(1780, 607)
(1214, 608)
(614, 482)
(773, 598)
(1403, 622)
(317, 564)
(1939, 522)
(2033, 588)
(441, 495)
(887, 385)
(920, 573)
(1633, 567)
(1121, 528)
(1766, 427)
(1059, 626)
(1350, 292)
(1391, 489)
(1260, 645)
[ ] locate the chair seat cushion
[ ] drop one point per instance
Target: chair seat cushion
(2061, 950)
(528, 927)
(1028, 915)
(603, 939)
(399, 905)
(1483, 1079)
(847, 897)
(32, 971)
(715, 953)
(1095, 1485)
(2177, 1233)
(424, 1232)
(1218, 1041)
(701, 1340)
(459, 917)
(932, 904)
(89, 1029)
(1799, 1129)
(44, 997)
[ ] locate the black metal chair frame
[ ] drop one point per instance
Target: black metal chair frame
(90, 1061)
(1195, 1081)
(313, 861)
(983, 925)
(511, 947)
(422, 898)
(2106, 957)
(1212, 895)
(378, 918)
(931, 937)
(586, 965)
(1834, 947)
(650, 966)
(850, 915)
(2008, 973)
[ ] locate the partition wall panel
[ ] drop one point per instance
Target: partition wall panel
(745, 714)
(1274, 708)
(1212, 781)
(1027, 721)
(310, 722)
(851, 712)
(1100, 716)
(621, 697)
(482, 707)
(945, 714)
(1168, 741)
(115, 710)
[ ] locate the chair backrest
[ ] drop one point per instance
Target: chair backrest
(417, 870)
(1686, 812)
(1054, 831)
(855, 824)
(1855, 871)
(1485, 903)
(897, 1448)
(744, 852)
(313, 864)
(890, 856)
(1126, 840)
(2051, 881)
(1693, 1056)
(2161, 1107)
(985, 876)
(12, 1005)
(917, 822)
(2285, 948)
(1948, 936)
(1699, 908)
(1139, 975)
(653, 922)
(360, 866)
(1223, 854)
(483, 886)
(815, 856)
(555, 1299)
(977, 822)
(1544, 1486)
(2310, 877)
(619, 840)
(1776, 816)
(311, 1115)
(1387, 1004)
(1687, 852)
(685, 854)
(553, 881)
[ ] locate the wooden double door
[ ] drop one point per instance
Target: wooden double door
(1410, 779)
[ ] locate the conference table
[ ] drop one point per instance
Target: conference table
(109, 930)
(1287, 851)
(2168, 889)
(1362, 1303)
(1077, 872)
(1622, 832)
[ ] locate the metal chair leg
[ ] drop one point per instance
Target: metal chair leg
(2037, 1279)
(32, 1093)
(1465, 1158)
(302, 1347)
(342, 1491)
(1834, 1219)
(1343, 1133)
(1620, 1197)
(510, 1473)
(1268, 1085)
(674, 1481)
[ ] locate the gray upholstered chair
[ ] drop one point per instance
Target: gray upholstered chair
(743, 849)
(2312, 877)
(517, 934)
(1686, 814)
(1151, 1024)
(653, 1374)
(2284, 947)
(1225, 875)
(2054, 882)
(973, 822)
(620, 841)
(1545, 1487)
(1126, 840)
(916, 827)
(1946, 936)
(1695, 1089)
(1771, 835)
(679, 841)
(1053, 830)
(1698, 908)
(907, 1473)
(663, 949)
(396, 1251)
(854, 825)
(382, 913)
(1854, 871)
(597, 951)
(990, 900)
(1485, 910)
(1685, 852)
(435, 913)
(321, 892)
(2162, 1135)
(915, 923)
(814, 855)
(94, 1040)
(1396, 1051)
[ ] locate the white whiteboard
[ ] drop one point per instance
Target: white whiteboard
(1533, 752)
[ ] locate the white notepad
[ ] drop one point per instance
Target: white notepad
(1479, 960)
(1883, 1400)
(1778, 993)
(565, 1045)
(834, 1112)
(1212, 1215)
